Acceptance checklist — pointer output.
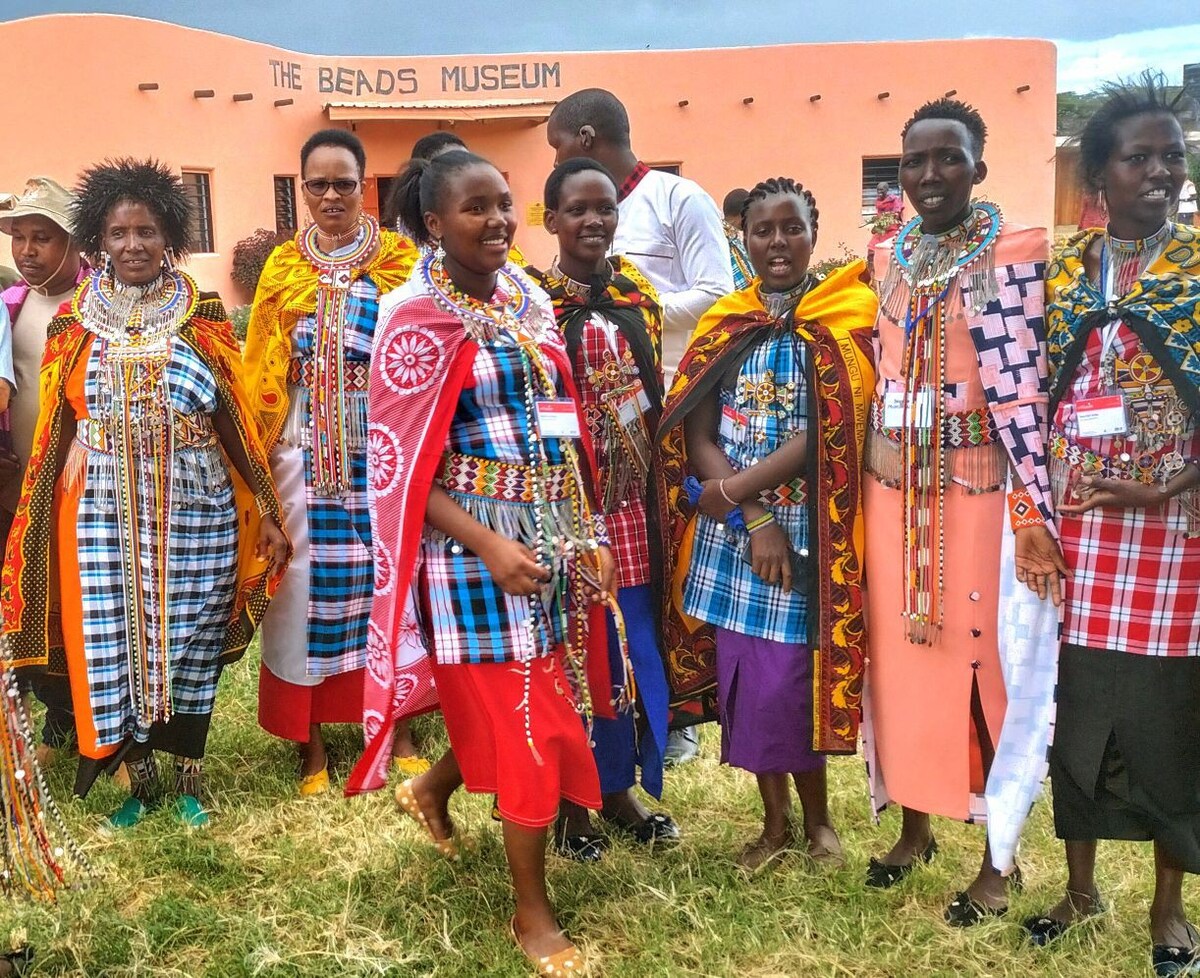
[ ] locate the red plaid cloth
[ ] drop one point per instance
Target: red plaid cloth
(631, 181)
(604, 363)
(1136, 584)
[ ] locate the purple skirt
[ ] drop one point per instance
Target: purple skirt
(765, 699)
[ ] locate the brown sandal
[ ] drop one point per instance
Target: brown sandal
(407, 802)
(568, 961)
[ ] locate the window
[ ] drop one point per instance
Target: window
(285, 205)
(875, 170)
(675, 168)
(196, 184)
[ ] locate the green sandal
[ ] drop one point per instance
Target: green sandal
(125, 817)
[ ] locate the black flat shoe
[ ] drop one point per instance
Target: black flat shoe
(1169, 961)
(583, 848)
(883, 875)
(965, 912)
(18, 961)
(1041, 931)
(653, 828)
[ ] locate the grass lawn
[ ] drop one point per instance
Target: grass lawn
(288, 887)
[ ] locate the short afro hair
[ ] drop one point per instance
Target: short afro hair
(1145, 94)
(595, 107)
(126, 180)
(952, 110)
(429, 145)
(552, 194)
(734, 201)
(342, 138)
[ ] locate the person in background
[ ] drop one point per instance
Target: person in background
(1187, 203)
(51, 268)
(307, 358)
(779, 516)
(612, 325)
(889, 215)
(739, 259)
(1123, 325)
(960, 353)
(672, 230)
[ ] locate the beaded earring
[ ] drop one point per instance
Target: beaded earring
(439, 252)
(168, 262)
(108, 265)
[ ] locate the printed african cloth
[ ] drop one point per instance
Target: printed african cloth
(833, 320)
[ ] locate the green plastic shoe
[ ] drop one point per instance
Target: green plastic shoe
(125, 817)
(190, 812)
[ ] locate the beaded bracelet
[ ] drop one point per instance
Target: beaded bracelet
(1022, 512)
(755, 525)
(600, 530)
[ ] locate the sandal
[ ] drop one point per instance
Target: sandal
(1041, 931)
(568, 961)
(314, 784)
(656, 827)
(758, 855)
(410, 766)
(190, 812)
(883, 875)
(827, 855)
(17, 960)
(131, 812)
(407, 802)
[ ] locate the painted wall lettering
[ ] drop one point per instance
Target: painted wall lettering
(356, 82)
(286, 74)
(501, 77)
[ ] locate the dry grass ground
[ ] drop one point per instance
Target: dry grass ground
(284, 887)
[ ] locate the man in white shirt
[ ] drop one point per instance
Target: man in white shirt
(669, 227)
(1187, 203)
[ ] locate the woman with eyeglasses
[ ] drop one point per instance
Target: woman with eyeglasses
(307, 358)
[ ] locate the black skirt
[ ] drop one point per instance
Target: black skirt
(1126, 757)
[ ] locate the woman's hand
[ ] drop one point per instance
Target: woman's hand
(607, 576)
(771, 555)
(272, 545)
(1093, 491)
(514, 567)
(1040, 562)
(712, 501)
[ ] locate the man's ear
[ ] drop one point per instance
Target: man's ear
(587, 136)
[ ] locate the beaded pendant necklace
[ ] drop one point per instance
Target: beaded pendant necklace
(779, 304)
(135, 326)
(336, 273)
(926, 273)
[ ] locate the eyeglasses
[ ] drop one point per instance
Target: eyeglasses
(319, 188)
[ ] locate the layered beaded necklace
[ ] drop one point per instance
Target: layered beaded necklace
(926, 273)
(335, 275)
(135, 326)
(1122, 263)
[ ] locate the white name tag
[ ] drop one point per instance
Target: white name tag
(1104, 415)
(733, 423)
(557, 418)
(920, 410)
(632, 406)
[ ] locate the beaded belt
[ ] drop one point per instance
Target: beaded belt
(1143, 466)
(355, 373)
(190, 431)
(960, 429)
(474, 476)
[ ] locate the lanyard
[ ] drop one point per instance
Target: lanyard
(1108, 285)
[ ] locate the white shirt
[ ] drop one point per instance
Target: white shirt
(672, 230)
(6, 361)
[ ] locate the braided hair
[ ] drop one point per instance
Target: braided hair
(783, 185)
(422, 185)
(126, 180)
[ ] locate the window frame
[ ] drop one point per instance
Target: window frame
(200, 198)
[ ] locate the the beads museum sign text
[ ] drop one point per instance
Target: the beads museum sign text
(383, 82)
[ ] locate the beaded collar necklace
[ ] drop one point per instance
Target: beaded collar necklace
(482, 319)
(335, 269)
(779, 304)
(1123, 262)
(140, 315)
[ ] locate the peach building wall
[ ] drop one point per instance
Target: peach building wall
(72, 98)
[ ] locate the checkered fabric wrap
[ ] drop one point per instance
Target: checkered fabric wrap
(1136, 583)
(339, 528)
(604, 363)
(467, 618)
(203, 564)
(721, 589)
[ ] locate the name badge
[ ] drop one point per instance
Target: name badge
(632, 406)
(1104, 415)
(557, 418)
(920, 410)
(733, 423)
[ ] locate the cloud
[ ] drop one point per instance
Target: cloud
(1084, 65)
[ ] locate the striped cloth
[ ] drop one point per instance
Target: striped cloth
(203, 564)
(467, 617)
(339, 527)
(772, 393)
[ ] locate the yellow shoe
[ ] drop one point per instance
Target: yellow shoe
(411, 766)
(315, 784)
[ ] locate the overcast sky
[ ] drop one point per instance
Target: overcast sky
(1098, 39)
